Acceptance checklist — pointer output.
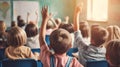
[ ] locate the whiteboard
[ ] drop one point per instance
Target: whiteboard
(23, 7)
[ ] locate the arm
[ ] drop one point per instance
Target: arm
(45, 18)
(36, 17)
(79, 42)
(28, 14)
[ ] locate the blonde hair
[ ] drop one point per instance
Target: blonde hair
(114, 32)
(99, 35)
(113, 52)
(16, 37)
(2, 26)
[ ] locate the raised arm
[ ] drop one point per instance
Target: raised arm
(45, 18)
(76, 18)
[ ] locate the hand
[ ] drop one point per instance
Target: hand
(45, 14)
(36, 12)
(78, 9)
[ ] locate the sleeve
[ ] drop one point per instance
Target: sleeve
(78, 40)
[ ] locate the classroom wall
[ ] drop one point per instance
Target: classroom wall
(113, 13)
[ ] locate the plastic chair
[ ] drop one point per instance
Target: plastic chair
(21, 63)
(36, 50)
(47, 39)
(2, 56)
(94, 63)
(72, 50)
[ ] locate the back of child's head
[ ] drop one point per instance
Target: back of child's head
(113, 53)
(16, 37)
(67, 27)
(2, 26)
(99, 35)
(50, 25)
(13, 23)
(85, 30)
(60, 41)
(31, 30)
(114, 32)
(21, 23)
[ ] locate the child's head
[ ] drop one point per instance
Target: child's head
(13, 23)
(99, 35)
(67, 27)
(114, 32)
(21, 23)
(85, 29)
(60, 41)
(2, 26)
(31, 30)
(16, 37)
(113, 53)
(50, 25)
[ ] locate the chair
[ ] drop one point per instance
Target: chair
(21, 63)
(2, 56)
(72, 50)
(47, 39)
(36, 50)
(94, 63)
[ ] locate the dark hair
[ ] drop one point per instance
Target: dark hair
(31, 30)
(16, 37)
(21, 23)
(60, 41)
(67, 27)
(13, 23)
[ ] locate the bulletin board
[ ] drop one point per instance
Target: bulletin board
(5, 12)
(23, 7)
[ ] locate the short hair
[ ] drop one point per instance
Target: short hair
(21, 23)
(31, 30)
(84, 28)
(17, 37)
(13, 23)
(99, 35)
(67, 27)
(60, 41)
(50, 25)
(2, 26)
(113, 52)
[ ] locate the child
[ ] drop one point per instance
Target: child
(16, 50)
(114, 33)
(32, 36)
(60, 42)
(70, 29)
(85, 31)
(113, 53)
(94, 51)
(3, 35)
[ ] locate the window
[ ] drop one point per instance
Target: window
(97, 10)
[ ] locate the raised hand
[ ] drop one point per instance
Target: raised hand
(45, 14)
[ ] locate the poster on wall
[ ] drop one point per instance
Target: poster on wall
(25, 8)
(5, 12)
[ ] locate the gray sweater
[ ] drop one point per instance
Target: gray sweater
(88, 52)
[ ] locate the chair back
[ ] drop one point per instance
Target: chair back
(20, 63)
(94, 63)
